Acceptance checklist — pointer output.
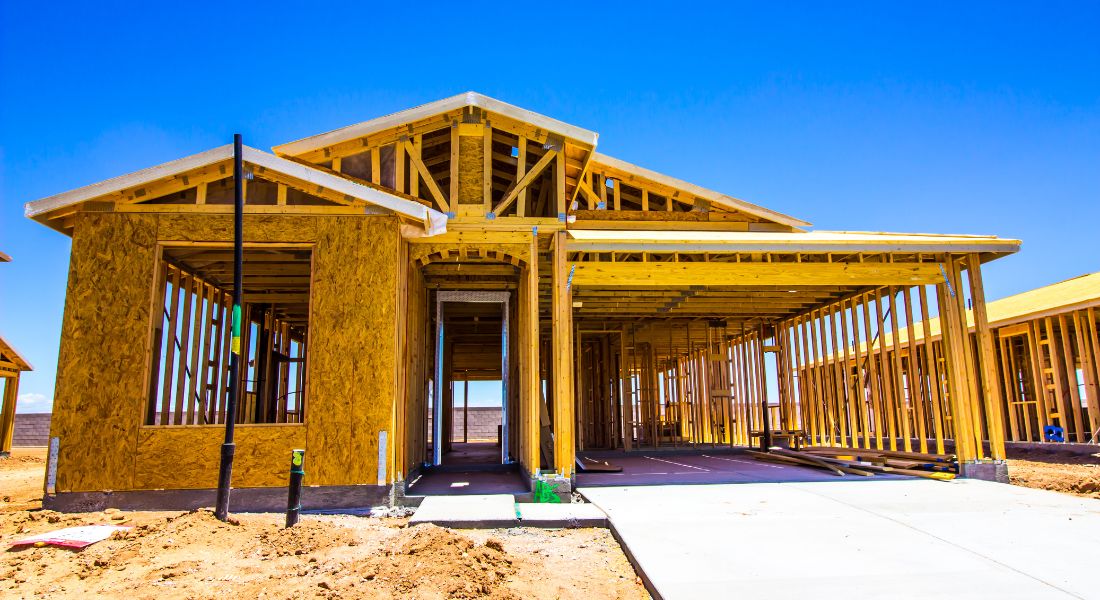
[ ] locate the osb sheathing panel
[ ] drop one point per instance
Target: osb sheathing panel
(262, 457)
(102, 359)
(471, 173)
(257, 228)
(351, 347)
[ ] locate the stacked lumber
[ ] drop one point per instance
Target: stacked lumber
(866, 462)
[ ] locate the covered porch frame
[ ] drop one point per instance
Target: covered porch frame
(689, 325)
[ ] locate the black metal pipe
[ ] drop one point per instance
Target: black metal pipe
(766, 433)
(294, 491)
(225, 472)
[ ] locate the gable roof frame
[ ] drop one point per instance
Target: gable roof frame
(432, 221)
(432, 109)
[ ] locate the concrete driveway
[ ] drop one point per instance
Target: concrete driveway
(858, 539)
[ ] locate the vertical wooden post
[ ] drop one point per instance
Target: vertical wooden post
(563, 359)
(991, 393)
(559, 184)
(487, 167)
(7, 413)
(626, 391)
(953, 326)
(455, 144)
(533, 381)
(521, 170)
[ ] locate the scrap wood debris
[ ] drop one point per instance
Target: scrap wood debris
(865, 462)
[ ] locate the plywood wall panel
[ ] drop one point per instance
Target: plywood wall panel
(257, 228)
(351, 347)
(188, 457)
(103, 356)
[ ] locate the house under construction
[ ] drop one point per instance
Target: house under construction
(389, 263)
(12, 365)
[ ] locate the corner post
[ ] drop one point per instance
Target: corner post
(954, 337)
(7, 414)
(533, 382)
(564, 448)
(991, 392)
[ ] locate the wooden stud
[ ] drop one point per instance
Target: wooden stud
(986, 359)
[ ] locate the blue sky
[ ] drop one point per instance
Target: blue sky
(921, 117)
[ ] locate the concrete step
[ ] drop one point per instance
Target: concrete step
(500, 510)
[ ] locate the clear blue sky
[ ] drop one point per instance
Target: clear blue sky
(925, 117)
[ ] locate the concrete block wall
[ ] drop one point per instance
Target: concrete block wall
(31, 429)
(484, 421)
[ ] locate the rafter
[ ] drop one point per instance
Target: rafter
(526, 180)
(426, 175)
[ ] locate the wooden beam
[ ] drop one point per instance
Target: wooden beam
(751, 274)
(532, 380)
(559, 184)
(487, 167)
(7, 412)
(562, 319)
(455, 143)
(991, 393)
(522, 184)
(433, 187)
(521, 169)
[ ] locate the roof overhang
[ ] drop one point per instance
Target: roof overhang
(603, 240)
(432, 220)
(701, 192)
(11, 360)
(432, 109)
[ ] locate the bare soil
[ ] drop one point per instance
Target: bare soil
(1055, 469)
(193, 555)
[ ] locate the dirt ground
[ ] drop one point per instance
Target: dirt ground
(193, 555)
(1054, 469)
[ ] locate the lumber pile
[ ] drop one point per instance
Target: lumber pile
(865, 462)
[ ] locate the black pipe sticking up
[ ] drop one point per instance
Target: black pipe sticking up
(225, 472)
(766, 431)
(294, 491)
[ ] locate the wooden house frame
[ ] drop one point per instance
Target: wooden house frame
(1046, 369)
(642, 310)
(12, 365)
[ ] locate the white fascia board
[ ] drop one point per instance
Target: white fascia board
(432, 219)
(432, 109)
(124, 182)
(408, 208)
(590, 240)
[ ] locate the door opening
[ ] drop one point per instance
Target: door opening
(469, 418)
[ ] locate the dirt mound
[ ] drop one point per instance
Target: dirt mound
(182, 556)
(1056, 469)
(428, 561)
(1079, 479)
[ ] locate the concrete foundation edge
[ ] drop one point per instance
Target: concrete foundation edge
(240, 499)
(986, 470)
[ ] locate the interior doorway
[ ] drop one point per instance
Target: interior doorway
(469, 419)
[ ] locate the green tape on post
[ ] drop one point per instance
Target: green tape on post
(236, 330)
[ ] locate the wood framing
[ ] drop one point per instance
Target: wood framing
(641, 311)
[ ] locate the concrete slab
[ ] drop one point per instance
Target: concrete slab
(865, 539)
(561, 515)
(467, 512)
(720, 465)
